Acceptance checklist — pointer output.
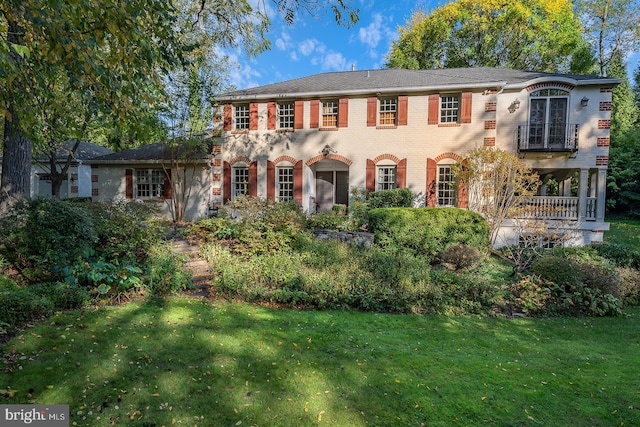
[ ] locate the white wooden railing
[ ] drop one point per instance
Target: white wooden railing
(559, 208)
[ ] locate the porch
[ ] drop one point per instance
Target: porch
(569, 195)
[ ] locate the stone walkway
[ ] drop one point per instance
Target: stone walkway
(196, 264)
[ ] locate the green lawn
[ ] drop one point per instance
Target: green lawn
(189, 362)
(624, 231)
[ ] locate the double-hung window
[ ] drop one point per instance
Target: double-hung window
(284, 184)
(386, 179)
(242, 117)
(240, 181)
(149, 183)
(449, 108)
(447, 187)
(330, 114)
(388, 111)
(286, 115)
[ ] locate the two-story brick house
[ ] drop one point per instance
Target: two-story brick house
(315, 138)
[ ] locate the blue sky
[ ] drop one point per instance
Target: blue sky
(315, 45)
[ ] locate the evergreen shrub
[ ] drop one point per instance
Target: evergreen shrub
(428, 231)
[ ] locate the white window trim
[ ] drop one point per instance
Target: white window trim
(454, 187)
(454, 112)
(155, 190)
(279, 182)
(280, 116)
(234, 181)
(238, 119)
(390, 101)
(390, 185)
(335, 113)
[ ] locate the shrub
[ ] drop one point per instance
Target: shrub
(460, 256)
(630, 285)
(39, 234)
(558, 270)
(63, 296)
(396, 198)
(532, 294)
(124, 229)
(327, 220)
(427, 231)
(164, 273)
(622, 255)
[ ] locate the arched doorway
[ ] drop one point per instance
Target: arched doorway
(331, 174)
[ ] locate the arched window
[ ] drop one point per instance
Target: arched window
(548, 116)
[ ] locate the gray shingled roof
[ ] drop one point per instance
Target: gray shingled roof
(85, 151)
(156, 151)
(387, 80)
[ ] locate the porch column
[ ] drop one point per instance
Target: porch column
(566, 187)
(602, 191)
(593, 190)
(582, 194)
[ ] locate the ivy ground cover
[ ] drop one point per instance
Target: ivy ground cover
(180, 361)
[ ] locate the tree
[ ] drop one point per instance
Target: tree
(115, 51)
(611, 28)
(498, 185)
(537, 35)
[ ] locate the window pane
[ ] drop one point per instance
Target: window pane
(449, 108)
(386, 178)
(285, 115)
(388, 108)
(242, 117)
(447, 188)
(284, 184)
(240, 181)
(329, 114)
(149, 183)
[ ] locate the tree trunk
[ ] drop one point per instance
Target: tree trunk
(16, 162)
(17, 148)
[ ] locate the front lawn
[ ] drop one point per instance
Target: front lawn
(191, 362)
(624, 231)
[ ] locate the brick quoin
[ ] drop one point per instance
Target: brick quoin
(604, 142)
(602, 160)
(605, 106)
(489, 142)
(489, 124)
(606, 89)
(490, 106)
(604, 124)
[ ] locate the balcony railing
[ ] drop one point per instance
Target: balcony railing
(559, 208)
(547, 137)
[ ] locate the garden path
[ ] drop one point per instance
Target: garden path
(196, 264)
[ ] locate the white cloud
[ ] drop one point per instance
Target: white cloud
(283, 42)
(309, 46)
(241, 74)
(334, 61)
(377, 31)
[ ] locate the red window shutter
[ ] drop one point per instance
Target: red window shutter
(271, 115)
(167, 188)
(271, 180)
(253, 116)
(432, 186)
(372, 110)
(253, 179)
(128, 180)
(228, 111)
(434, 108)
(314, 114)
(298, 115)
(226, 181)
(343, 113)
(297, 182)
(465, 108)
(371, 176)
(401, 174)
(463, 194)
(403, 109)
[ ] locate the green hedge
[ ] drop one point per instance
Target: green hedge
(428, 231)
(396, 198)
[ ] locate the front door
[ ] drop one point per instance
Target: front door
(332, 187)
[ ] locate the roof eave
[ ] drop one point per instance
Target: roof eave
(360, 92)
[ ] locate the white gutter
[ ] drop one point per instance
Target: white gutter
(369, 91)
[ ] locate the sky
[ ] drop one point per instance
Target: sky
(317, 44)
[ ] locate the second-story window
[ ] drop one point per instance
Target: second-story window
(242, 117)
(388, 111)
(329, 114)
(285, 115)
(449, 108)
